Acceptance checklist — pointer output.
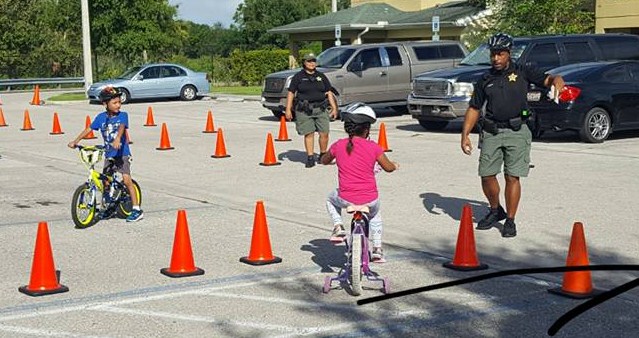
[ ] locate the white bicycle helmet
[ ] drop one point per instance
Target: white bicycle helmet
(359, 113)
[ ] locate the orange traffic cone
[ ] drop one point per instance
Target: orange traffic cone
(149, 118)
(577, 284)
(26, 124)
(165, 143)
(3, 123)
(182, 263)
(382, 137)
(56, 130)
(465, 254)
(210, 128)
(260, 253)
(283, 135)
(220, 148)
(269, 153)
(87, 124)
(36, 96)
(44, 277)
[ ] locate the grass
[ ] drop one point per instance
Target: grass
(71, 96)
(250, 90)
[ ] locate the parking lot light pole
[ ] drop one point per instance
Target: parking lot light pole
(86, 44)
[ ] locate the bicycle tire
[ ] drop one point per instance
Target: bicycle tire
(78, 202)
(125, 206)
(356, 264)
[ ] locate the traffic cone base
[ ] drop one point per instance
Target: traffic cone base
(274, 260)
(220, 156)
(167, 272)
(270, 164)
(465, 258)
(43, 292)
(561, 292)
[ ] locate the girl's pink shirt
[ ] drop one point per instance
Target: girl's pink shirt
(356, 175)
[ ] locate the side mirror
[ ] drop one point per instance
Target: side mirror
(139, 77)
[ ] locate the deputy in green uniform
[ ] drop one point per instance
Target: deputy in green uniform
(310, 96)
(506, 137)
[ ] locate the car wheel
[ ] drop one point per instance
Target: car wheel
(188, 93)
(596, 127)
(433, 125)
(277, 113)
(125, 96)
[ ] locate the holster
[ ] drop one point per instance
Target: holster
(515, 123)
(488, 125)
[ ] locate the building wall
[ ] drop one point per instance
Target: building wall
(617, 16)
(403, 5)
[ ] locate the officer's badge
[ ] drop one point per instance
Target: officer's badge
(319, 78)
(512, 77)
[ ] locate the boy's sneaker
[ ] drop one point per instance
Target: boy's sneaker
(310, 161)
(338, 234)
(135, 216)
(492, 219)
(510, 229)
(378, 255)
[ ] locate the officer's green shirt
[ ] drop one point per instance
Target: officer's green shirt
(505, 91)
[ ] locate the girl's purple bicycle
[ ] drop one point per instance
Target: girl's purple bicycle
(357, 256)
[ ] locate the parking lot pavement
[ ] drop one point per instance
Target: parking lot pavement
(112, 268)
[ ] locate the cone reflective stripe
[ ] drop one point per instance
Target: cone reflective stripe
(26, 124)
(149, 118)
(36, 96)
(283, 135)
(269, 153)
(165, 143)
(3, 123)
(220, 147)
(465, 253)
(56, 130)
(382, 137)
(260, 253)
(210, 128)
(577, 284)
(44, 279)
(87, 124)
(182, 262)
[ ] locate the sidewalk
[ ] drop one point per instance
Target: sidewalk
(234, 98)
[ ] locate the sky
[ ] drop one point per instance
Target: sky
(207, 11)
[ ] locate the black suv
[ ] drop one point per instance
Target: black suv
(442, 95)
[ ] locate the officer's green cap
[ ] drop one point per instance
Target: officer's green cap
(309, 56)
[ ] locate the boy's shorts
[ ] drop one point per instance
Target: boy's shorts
(118, 164)
(508, 147)
(310, 123)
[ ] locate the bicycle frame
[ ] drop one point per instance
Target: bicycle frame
(347, 274)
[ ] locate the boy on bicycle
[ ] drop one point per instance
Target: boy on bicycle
(112, 124)
(357, 157)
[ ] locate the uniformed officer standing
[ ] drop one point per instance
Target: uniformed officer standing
(506, 137)
(309, 94)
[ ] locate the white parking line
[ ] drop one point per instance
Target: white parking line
(43, 332)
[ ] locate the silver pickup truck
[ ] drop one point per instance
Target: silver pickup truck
(376, 74)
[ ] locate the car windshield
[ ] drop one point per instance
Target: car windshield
(130, 73)
(334, 57)
(481, 55)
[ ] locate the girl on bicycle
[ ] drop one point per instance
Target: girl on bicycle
(357, 158)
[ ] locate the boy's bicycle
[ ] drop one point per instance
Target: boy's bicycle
(357, 262)
(90, 202)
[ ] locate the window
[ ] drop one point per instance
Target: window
(370, 58)
(451, 52)
(578, 52)
(426, 52)
(151, 73)
(617, 74)
(619, 47)
(172, 71)
(393, 56)
(544, 56)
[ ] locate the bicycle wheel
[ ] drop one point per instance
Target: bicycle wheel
(125, 206)
(356, 265)
(83, 207)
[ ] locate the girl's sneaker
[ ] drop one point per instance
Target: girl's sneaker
(338, 234)
(378, 255)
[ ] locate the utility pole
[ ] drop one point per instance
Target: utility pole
(334, 6)
(86, 44)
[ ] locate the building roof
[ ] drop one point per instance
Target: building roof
(383, 16)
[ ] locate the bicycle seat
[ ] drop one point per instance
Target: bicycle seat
(354, 208)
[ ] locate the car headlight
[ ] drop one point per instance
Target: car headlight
(462, 89)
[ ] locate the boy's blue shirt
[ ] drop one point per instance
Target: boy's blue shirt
(108, 126)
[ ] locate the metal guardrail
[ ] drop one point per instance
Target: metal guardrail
(38, 81)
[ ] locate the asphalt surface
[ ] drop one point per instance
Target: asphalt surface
(112, 268)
